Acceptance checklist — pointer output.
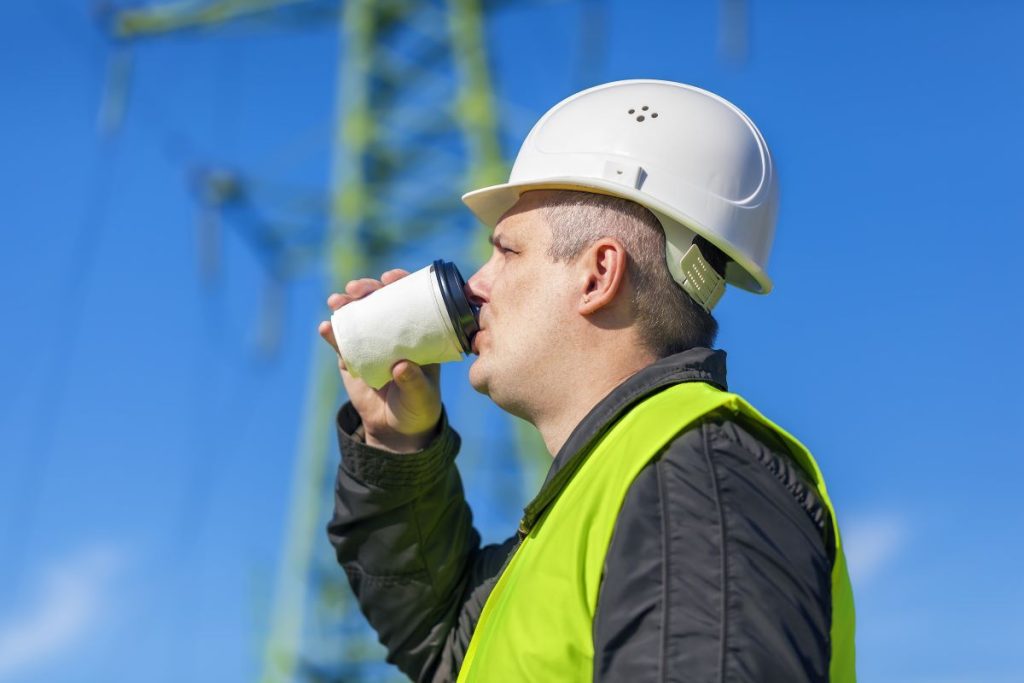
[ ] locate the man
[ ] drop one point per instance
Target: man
(679, 535)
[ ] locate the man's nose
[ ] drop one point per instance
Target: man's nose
(475, 289)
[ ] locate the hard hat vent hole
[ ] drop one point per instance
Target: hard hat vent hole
(640, 117)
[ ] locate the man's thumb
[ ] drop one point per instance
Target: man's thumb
(409, 376)
(417, 393)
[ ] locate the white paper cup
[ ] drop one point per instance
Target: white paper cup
(407, 319)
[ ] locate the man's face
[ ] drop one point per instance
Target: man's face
(525, 299)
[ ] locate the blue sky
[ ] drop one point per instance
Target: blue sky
(148, 446)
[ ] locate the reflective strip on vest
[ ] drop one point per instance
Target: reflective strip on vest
(537, 623)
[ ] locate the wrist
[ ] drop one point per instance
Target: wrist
(397, 442)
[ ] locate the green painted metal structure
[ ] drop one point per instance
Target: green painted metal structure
(415, 124)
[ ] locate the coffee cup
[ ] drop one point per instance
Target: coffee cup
(425, 317)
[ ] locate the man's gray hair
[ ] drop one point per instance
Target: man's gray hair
(669, 321)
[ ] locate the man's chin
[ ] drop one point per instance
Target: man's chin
(478, 377)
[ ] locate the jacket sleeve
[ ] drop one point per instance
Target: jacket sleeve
(403, 534)
(719, 567)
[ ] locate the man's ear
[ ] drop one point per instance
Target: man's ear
(602, 274)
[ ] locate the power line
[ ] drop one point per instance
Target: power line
(56, 374)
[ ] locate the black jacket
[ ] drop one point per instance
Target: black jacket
(718, 569)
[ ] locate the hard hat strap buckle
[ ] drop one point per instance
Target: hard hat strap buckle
(700, 280)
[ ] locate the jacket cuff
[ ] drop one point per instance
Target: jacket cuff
(384, 469)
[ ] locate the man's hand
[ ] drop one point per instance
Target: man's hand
(402, 415)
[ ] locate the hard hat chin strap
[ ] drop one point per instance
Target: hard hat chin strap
(700, 280)
(689, 268)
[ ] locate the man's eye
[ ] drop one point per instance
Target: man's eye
(504, 250)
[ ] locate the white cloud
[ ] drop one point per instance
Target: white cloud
(71, 599)
(872, 542)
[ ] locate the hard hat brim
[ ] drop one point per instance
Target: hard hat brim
(489, 204)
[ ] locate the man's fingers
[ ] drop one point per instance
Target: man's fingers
(393, 275)
(357, 289)
(336, 301)
(361, 287)
(327, 332)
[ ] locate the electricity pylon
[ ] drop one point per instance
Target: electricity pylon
(415, 124)
(417, 120)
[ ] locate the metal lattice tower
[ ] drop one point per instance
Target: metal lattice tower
(415, 125)
(417, 121)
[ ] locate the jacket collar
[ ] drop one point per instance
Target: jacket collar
(692, 365)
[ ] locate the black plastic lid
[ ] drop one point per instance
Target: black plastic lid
(463, 314)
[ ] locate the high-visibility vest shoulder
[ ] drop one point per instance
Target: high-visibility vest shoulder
(537, 623)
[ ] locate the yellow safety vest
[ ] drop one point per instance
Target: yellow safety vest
(537, 623)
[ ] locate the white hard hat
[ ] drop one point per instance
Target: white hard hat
(692, 158)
